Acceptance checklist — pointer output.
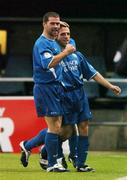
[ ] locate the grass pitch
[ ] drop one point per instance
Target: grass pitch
(108, 165)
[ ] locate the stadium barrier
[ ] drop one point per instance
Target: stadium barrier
(18, 120)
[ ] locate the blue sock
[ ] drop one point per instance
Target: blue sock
(37, 140)
(60, 149)
(43, 152)
(51, 144)
(73, 146)
(82, 150)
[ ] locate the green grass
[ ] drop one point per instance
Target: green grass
(108, 165)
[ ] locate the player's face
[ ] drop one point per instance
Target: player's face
(52, 26)
(64, 36)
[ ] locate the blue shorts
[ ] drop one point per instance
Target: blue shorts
(47, 98)
(76, 107)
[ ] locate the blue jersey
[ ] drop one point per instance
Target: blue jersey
(75, 102)
(72, 42)
(47, 90)
(75, 69)
(43, 51)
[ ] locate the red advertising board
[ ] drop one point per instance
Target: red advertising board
(18, 121)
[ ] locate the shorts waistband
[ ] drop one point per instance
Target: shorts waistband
(69, 89)
(49, 83)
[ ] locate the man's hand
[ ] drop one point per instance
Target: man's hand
(116, 90)
(69, 49)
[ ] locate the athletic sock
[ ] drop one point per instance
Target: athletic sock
(43, 152)
(51, 144)
(82, 150)
(73, 146)
(60, 149)
(37, 140)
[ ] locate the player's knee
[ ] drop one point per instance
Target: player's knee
(83, 128)
(66, 132)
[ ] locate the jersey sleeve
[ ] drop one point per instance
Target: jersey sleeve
(87, 69)
(46, 56)
(72, 42)
(45, 50)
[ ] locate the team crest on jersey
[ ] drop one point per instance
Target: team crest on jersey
(47, 55)
(74, 55)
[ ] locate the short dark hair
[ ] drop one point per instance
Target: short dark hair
(50, 14)
(64, 24)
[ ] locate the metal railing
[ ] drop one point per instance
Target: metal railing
(122, 124)
(29, 79)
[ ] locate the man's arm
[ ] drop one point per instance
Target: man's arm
(101, 80)
(57, 58)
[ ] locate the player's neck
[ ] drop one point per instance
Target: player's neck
(48, 36)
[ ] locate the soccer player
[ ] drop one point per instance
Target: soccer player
(47, 89)
(75, 103)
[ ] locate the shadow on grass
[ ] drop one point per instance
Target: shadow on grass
(21, 170)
